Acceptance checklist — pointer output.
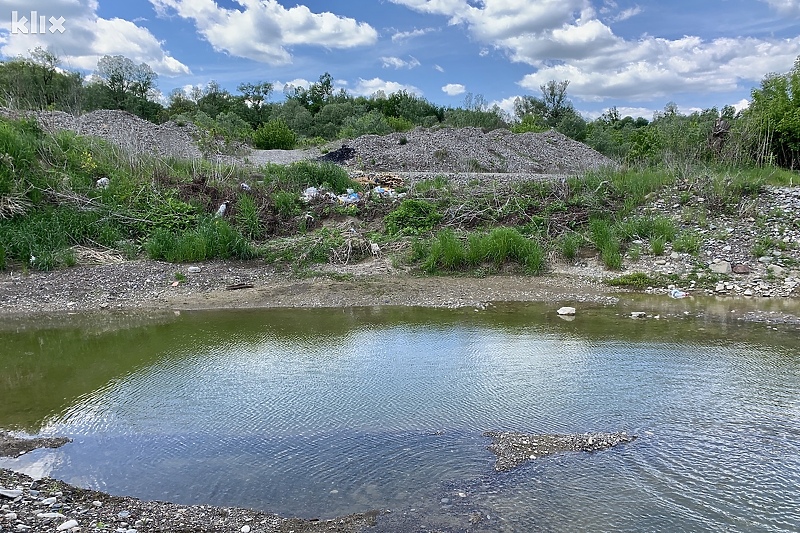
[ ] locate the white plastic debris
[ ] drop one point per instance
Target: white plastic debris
(102, 183)
(222, 208)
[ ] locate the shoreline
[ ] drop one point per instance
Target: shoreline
(150, 286)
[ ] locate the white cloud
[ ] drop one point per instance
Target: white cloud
(785, 7)
(397, 63)
(454, 89)
(263, 29)
(565, 40)
(625, 14)
(484, 52)
(742, 104)
(87, 37)
(506, 104)
(370, 87)
(439, 68)
(405, 35)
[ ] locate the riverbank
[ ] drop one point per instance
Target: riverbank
(154, 285)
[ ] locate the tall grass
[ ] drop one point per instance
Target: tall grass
(213, 238)
(448, 252)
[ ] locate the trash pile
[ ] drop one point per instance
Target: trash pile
(382, 186)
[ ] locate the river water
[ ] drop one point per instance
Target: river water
(320, 413)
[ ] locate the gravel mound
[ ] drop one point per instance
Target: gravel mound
(129, 132)
(453, 150)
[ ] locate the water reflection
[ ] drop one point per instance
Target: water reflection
(326, 412)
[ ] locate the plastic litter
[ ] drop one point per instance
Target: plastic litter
(678, 294)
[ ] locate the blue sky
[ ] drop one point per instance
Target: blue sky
(637, 56)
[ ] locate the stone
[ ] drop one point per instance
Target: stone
(69, 524)
(638, 314)
(723, 267)
(50, 515)
(741, 269)
(674, 255)
(661, 262)
(194, 270)
(765, 259)
(720, 287)
(245, 529)
(566, 311)
(48, 501)
(8, 493)
(776, 270)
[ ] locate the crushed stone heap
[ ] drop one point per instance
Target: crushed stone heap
(129, 132)
(471, 150)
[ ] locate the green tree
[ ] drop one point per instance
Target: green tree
(775, 113)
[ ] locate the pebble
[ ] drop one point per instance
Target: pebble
(245, 529)
(69, 524)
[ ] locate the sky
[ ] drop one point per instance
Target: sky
(634, 55)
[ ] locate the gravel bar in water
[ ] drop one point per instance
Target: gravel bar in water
(514, 449)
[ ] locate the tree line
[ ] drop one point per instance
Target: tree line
(765, 133)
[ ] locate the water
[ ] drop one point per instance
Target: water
(319, 413)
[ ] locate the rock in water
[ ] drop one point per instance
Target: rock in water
(566, 311)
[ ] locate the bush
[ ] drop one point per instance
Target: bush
(274, 135)
(412, 217)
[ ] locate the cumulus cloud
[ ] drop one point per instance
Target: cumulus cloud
(86, 37)
(263, 29)
(454, 89)
(370, 87)
(506, 104)
(397, 63)
(565, 40)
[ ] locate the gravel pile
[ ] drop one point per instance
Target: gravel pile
(125, 130)
(454, 150)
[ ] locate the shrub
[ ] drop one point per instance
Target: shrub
(412, 217)
(500, 246)
(274, 135)
(400, 124)
(446, 252)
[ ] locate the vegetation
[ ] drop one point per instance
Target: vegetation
(50, 201)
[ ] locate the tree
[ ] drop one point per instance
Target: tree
(553, 108)
(36, 82)
(122, 84)
(254, 98)
(775, 113)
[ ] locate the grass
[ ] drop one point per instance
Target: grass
(634, 280)
(607, 242)
(688, 242)
(446, 252)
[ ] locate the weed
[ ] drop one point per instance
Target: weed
(247, 217)
(287, 204)
(412, 217)
(634, 280)
(635, 252)
(657, 245)
(607, 243)
(688, 242)
(180, 277)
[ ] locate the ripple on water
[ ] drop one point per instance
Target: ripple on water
(391, 417)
